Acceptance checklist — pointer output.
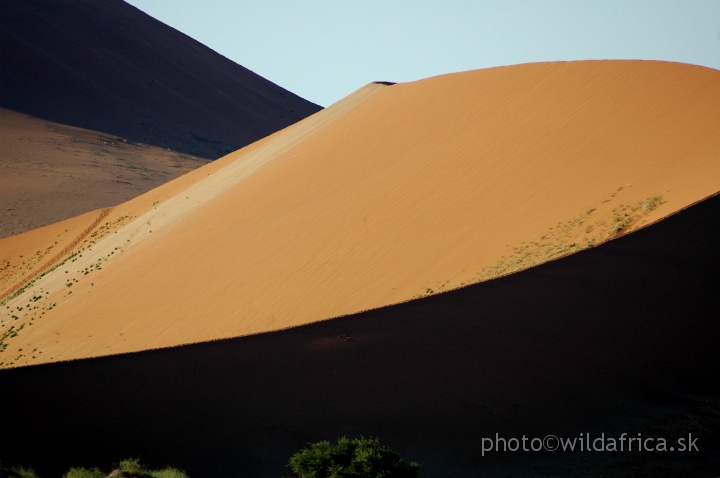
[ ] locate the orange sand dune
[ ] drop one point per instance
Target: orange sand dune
(621, 338)
(393, 193)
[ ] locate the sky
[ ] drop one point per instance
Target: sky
(324, 50)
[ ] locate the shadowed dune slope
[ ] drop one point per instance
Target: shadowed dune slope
(100, 102)
(105, 66)
(50, 172)
(393, 193)
(618, 338)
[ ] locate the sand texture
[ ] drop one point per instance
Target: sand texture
(50, 172)
(394, 193)
(621, 338)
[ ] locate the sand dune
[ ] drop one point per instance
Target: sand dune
(108, 67)
(51, 172)
(621, 338)
(146, 104)
(394, 193)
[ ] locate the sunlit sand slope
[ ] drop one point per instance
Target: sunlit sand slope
(394, 193)
(621, 338)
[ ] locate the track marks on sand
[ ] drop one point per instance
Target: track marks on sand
(25, 280)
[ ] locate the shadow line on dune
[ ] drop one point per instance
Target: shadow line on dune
(593, 342)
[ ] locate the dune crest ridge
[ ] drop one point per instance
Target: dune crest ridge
(393, 193)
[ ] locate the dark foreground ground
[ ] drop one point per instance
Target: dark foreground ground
(620, 338)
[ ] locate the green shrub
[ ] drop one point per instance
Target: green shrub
(363, 457)
(169, 473)
(131, 466)
(17, 472)
(81, 472)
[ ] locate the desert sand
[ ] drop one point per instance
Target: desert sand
(100, 102)
(51, 172)
(394, 193)
(620, 338)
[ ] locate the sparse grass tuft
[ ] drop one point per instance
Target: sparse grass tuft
(169, 473)
(566, 238)
(17, 472)
(82, 472)
(131, 466)
(128, 468)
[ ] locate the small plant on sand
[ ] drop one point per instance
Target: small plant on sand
(651, 204)
(363, 457)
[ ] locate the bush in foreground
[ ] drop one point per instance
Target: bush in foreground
(16, 472)
(357, 457)
(128, 468)
(84, 473)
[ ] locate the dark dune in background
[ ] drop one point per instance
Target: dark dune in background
(106, 66)
(619, 338)
(99, 103)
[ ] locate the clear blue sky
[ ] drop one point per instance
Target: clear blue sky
(323, 50)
